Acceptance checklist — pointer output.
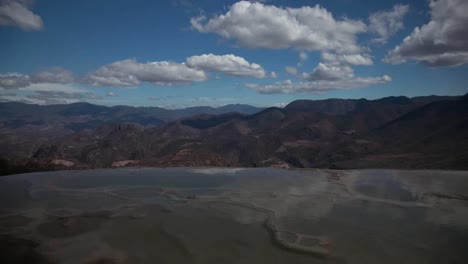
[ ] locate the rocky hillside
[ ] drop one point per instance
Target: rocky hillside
(395, 132)
(25, 127)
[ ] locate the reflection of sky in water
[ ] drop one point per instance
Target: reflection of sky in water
(212, 171)
(379, 208)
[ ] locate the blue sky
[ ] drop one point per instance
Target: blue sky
(179, 53)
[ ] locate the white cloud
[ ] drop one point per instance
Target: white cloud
(330, 72)
(336, 74)
(228, 64)
(274, 75)
(14, 80)
(130, 73)
(17, 13)
(290, 70)
(54, 75)
(111, 94)
(54, 87)
(352, 59)
(290, 87)
(441, 42)
(19, 80)
(256, 25)
(386, 23)
(53, 93)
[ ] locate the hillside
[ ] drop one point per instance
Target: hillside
(24, 127)
(394, 132)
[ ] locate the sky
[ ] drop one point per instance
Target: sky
(182, 53)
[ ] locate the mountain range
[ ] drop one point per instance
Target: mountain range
(393, 132)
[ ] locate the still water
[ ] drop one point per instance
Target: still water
(234, 215)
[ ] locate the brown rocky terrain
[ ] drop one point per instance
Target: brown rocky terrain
(393, 132)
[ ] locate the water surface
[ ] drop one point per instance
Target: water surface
(234, 215)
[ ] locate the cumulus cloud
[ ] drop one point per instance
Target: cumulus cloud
(54, 75)
(386, 23)
(111, 94)
(17, 13)
(330, 72)
(68, 88)
(256, 25)
(336, 74)
(228, 64)
(441, 42)
(19, 80)
(290, 87)
(7, 94)
(351, 59)
(290, 70)
(51, 93)
(14, 80)
(129, 72)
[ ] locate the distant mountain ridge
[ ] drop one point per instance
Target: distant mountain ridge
(138, 115)
(393, 132)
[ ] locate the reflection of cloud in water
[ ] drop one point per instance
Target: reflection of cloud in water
(313, 200)
(213, 171)
(328, 203)
(457, 216)
(245, 216)
(445, 209)
(304, 207)
(319, 185)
